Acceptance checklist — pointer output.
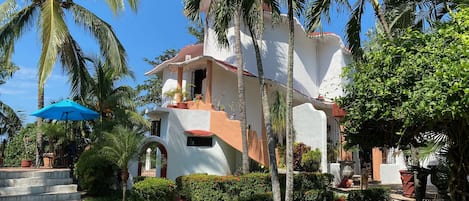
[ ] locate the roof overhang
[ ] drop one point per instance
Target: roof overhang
(199, 133)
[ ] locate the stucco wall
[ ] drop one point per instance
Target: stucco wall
(317, 61)
(311, 129)
(183, 160)
(225, 92)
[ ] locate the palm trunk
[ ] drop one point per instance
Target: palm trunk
(267, 123)
(379, 14)
(124, 177)
(241, 91)
(40, 104)
(289, 101)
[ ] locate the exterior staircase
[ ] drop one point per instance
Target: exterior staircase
(37, 184)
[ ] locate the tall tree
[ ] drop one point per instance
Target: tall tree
(414, 85)
(58, 43)
(115, 104)
(253, 12)
(224, 12)
(295, 7)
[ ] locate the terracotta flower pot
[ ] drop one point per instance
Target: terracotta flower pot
(26, 163)
(407, 179)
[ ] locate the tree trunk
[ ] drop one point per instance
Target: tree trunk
(271, 143)
(458, 153)
(289, 101)
(379, 14)
(241, 91)
(124, 177)
(40, 105)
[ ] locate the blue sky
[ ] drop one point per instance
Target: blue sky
(158, 25)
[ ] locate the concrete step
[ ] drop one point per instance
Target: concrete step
(35, 173)
(70, 188)
(75, 196)
(34, 182)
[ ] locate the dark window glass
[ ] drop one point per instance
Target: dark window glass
(155, 128)
(199, 141)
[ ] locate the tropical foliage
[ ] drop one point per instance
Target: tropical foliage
(392, 15)
(57, 41)
(411, 87)
(120, 146)
(20, 146)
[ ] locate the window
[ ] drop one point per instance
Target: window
(156, 128)
(199, 141)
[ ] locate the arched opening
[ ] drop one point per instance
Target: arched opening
(153, 159)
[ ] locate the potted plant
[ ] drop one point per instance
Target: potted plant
(178, 95)
(26, 161)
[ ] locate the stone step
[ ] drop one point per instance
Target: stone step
(75, 196)
(70, 188)
(35, 173)
(34, 182)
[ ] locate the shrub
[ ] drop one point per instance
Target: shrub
(16, 149)
(298, 150)
(315, 194)
(307, 181)
(372, 194)
(95, 173)
(246, 187)
(152, 188)
(139, 179)
(311, 160)
(209, 187)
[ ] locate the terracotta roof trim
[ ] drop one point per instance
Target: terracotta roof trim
(199, 133)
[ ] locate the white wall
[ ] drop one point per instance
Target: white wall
(311, 129)
(183, 160)
(225, 92)
(317, 62)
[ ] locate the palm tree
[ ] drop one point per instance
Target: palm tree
(391, 14)
(114, 104)
(57, 42)
(295, 7)
(321, 8)
(10, 123)
(120, 146)
(253, 16)
(224, 12)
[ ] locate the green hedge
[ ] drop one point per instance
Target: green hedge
(153, 188)
(372, 194)
(254, 186)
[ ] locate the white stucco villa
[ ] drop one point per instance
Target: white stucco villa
(200, 134)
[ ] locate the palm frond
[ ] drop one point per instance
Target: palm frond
(192, 10)
(53, 34)
(109, 45)
(353, 29)
(121, 145)
(74, 64)
(9, 120)
(13, 29)
(223, 15)
(7, 9)
(118, 5)
(315, 12)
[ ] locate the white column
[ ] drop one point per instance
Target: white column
(147, 159)
(158, 163)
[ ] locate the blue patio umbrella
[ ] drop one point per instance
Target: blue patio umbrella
(66, 110)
